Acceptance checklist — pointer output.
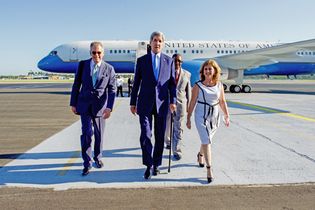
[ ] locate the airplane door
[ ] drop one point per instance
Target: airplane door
(73, 54)
(143, 48)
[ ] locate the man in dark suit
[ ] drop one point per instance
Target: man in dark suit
(92, 97)
(153, 93)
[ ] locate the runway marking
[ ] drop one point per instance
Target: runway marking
(270, 110)
(69, 163)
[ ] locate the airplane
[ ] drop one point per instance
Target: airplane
(236, 58)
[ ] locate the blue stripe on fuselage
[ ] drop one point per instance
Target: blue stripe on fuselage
(53, 63)
(283, 69)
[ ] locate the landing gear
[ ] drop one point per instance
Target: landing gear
(235, 89)
(238, 88)
(246, 89)
(224, 87)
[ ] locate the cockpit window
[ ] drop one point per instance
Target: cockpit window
(54, 52)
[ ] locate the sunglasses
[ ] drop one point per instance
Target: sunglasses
(94, 53)
(177, 60)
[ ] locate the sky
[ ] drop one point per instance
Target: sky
(30, 29)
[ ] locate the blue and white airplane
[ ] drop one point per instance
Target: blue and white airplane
(236, 58)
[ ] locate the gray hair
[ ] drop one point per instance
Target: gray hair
(157, 33)
(96, 43)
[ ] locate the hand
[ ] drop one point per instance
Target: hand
(226, 120)
(106, 113)
(188, 124)
(133, 110)
(173, 107)
(74, 110)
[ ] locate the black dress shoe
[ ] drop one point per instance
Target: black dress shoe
(99, 164)
(177, 156)
(155, 171)
(86, 171)
(147, 173)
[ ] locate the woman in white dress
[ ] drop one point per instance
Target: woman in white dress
(208, 94)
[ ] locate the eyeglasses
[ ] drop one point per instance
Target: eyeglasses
(179, 61)
(94, 53)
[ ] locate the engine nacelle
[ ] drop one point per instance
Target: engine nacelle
(224, 73)
(232, 74)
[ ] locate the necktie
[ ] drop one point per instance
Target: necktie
(155, 66)
(94, 75)
(177, 76)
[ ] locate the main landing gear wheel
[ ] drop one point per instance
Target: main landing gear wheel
(246, 89)
(224, 87)
(235, 89)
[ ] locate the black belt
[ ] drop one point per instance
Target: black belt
(210, 111)
(201, 102)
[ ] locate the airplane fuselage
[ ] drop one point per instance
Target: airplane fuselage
(236, 58)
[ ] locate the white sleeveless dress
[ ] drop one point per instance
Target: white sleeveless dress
(207, 118)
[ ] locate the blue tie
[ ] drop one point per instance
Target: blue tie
(94, 75)
(155, 66)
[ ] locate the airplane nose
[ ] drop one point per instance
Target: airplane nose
(43, 63)
(53, 63)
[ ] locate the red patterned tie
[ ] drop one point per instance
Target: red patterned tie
(176, 76)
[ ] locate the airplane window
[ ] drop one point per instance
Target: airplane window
(111, 51)
(230, 51)
(171, 51)
(124, 51)
(201, 51)
(218, 51)
(222, 51)
(119, 51)
(193, 51)
(302, 53)
(128, 51)
(234, 51)
(226, 51)
(115, 51)
(175, 51)
(197, 51)
(313, 53)
(166, 51)
(184, 51)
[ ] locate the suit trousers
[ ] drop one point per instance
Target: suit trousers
(145, 138)
(178, 126)
(87, 120)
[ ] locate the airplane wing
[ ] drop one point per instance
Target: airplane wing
(271, 55)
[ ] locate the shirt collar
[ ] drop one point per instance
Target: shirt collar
(158, 54)
(93, 63)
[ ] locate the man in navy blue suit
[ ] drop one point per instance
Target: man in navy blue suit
(153, 93)
(92, 97)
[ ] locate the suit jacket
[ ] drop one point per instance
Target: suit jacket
(183, 91)
(85, 97)
(148, 91)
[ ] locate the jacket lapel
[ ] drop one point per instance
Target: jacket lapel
(180, 78)
(162, 64)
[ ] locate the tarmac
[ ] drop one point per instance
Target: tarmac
(271, 140)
